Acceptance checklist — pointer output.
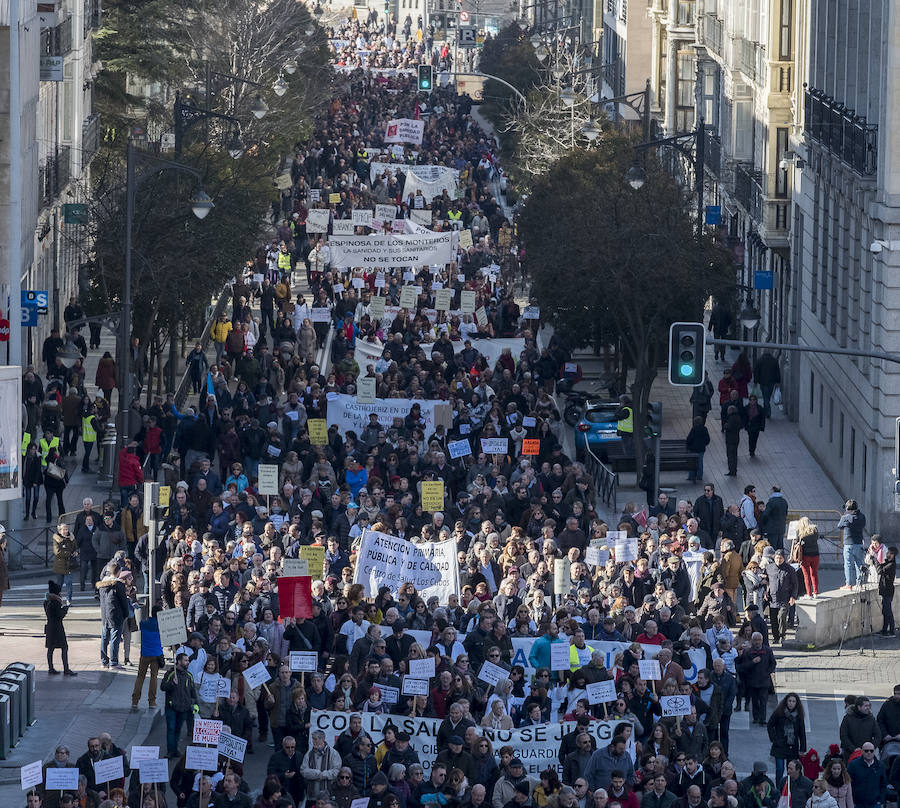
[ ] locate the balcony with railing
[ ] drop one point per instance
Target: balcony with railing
(54, 175)
(848, 136)
(748, 190)
(751, 60)
(614, 76)
(712, 152)
(93, 15)
(90, 138)
(712, 33)
(57, 41)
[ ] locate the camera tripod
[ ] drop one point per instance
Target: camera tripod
(860, 594)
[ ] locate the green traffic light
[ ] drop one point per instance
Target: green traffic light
(685, 370)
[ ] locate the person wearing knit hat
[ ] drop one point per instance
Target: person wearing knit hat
(55, 608)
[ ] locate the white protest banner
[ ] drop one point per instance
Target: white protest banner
(172, 629)
(422, 217)
(494, 445)
(467, 302)
(317, 220)
(154, 771)
(385, 213)
(360, 802)
(384, 560)
(559, 656)
(459, 448)
(601, 692)
(438, 180)
(404, 130)
(232, 747)
(626, 549)
(345, 412)
(421, 668)
(202, 759)
(391, 250)
(414, 687)
(491, 349)
(206, 730)
(492, 673)
(109, 769)
(139, 753)
(304, 661)
(61, 779)
(268, 480)
(673, 706)
(320, 314)
(365, 389)
(537, 746)
(648, 669)
(294, 567)
(367, 353)
(342, 227)
(31, 775)
(212, 687)
(361, 218)
(389, 695)
(256, 675)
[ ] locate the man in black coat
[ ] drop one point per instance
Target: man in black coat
(709, 510)
(113, 613)
(774, 518)
(285, 763)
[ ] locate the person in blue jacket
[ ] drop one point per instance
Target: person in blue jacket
(539, 656)
(151, 654)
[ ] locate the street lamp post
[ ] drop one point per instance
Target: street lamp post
(186, 115)
(201, 205)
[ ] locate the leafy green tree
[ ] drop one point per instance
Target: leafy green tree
(604, 257)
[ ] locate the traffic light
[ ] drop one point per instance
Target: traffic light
(654, 418)
(426, 78)
(687, 342)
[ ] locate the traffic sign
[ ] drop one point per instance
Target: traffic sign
(468, 37)
(36, 299)
(29, 316)
(463, 16)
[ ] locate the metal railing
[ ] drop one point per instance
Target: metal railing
(825, 519)
(36, 543)
(850, 137)
(54, 175)
(57, 41)
(606, 481)
(90, 138)
(747, 190)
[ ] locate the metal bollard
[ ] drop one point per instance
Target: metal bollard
(11, 691)
(5, 727)
(108, 456)
(28, 669)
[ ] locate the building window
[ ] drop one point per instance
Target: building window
(821, 406)
(830, 420)
(781, 174)
(812, 392)
(786, 31)
(663, 69)
(852, 451)
(841, 439)
(823, 282)
(865, 465)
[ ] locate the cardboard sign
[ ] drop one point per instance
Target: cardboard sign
(361, 802)
(139, 753)
(294, 567)
(494, 445)
(62, 779)
(342, 227)
(365, 389)
(433, 498)
(481, 316)
(443, 299)
(232, 747)
(320, 314)
(492, 673)
(626, 549)
(105, 771)
(408, 297)
(465, 239)
(314, 556)
(172, 629)
(648, 669)
(531, 313)
(206, 730)
(601, 692)
(531, 446)
(32, 775)
(529, 420)
(295, 597)
(304, 661)
(154, 771)
(268, 480)
(421, 668)
(385, 213)
(414, 687)
(255, 676)
(376, 306)
(211, 687)
(459, 448)
(559, 656)
(361, 218)
(597, 556)
(318, 431)
(467, 302)
(673, 706)
(334, 199)
(203, 758)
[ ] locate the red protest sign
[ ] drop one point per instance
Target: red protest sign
(531, 446)
(295, 596)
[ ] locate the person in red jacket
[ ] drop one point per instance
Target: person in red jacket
(130, 473)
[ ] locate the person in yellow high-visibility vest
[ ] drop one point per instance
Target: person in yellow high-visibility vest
(26, 442)
(47, 445)
(88, 438)
(625, 422)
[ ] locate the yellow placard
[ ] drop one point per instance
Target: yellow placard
(334, 199)
(165, 494)
(318, 431)
(433, 496)
(314, 557)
